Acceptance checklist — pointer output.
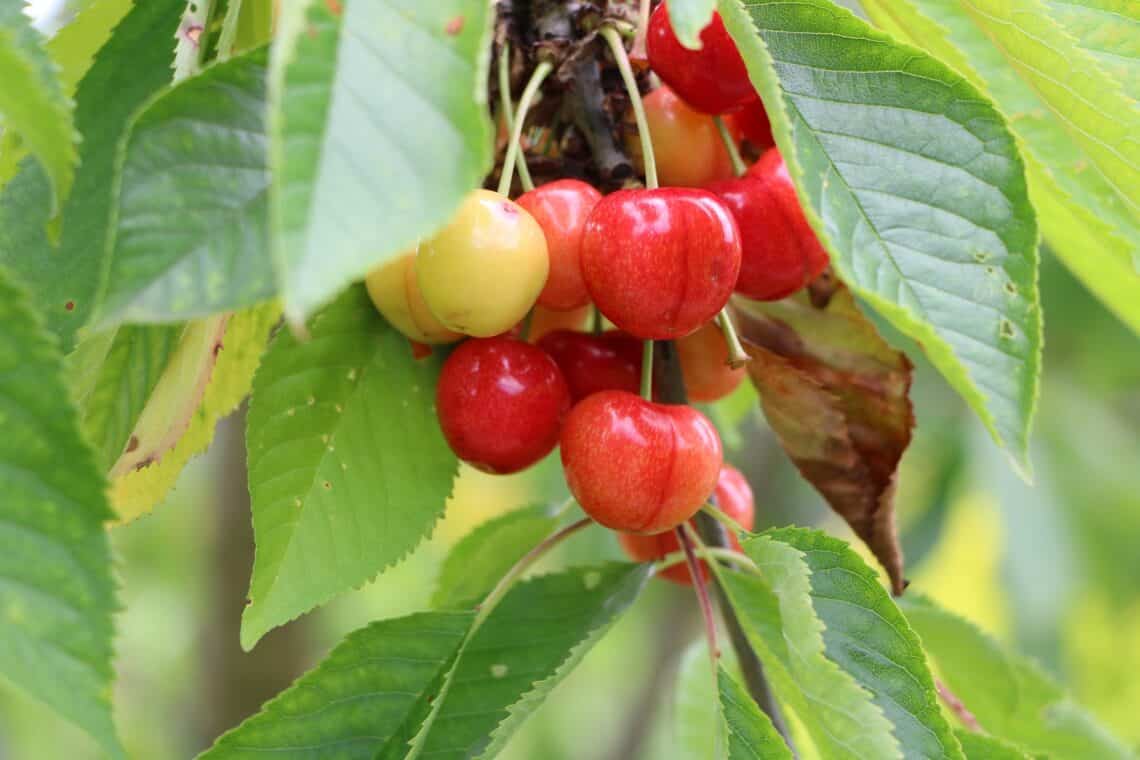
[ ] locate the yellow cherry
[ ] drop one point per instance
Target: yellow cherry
(483, 272)
(393, 288)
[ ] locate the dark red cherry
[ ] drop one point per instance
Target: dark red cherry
(638, 466)
(751, 123)
(781, 253)
(500, 403)
(712, 79)
(592, 363)
(561, 208)
(660, 263)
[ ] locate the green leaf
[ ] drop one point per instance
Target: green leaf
(348, 469)
(243, 337)
(698, 727)
(56, 591)
(689, 18)
(378, 128)
(915, 185)
(33, 103)
(134, 63)
(190, 235)
(981, 747)
(365, 691)
(776, 612)
(481, 557)
(868, 637)
(122, 384)
(751, 735)
(1076, 125)
(540, 631)
(1109, 30)
(1010, 696)
(463, 683)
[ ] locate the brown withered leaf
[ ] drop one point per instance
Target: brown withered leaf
(836, 395)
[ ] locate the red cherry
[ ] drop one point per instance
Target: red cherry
(686, 143)
(751, 123)
(733, 496)
(543, 321)
(660, 263)
(638, 466)
(781, 252)
(704, 364)
(592, 363)
(561, 209)
(712, 79)
(500, 403)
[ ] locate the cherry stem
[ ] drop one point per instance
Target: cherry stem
(647, 370)
(719, 514)
(508, 109)
(596, 325)
(564, 507)
(612, 37)
(536, 79)
(702, 590)
(508, 580)
(707, 552)
(738, 166)
(524, 329)
(638, 48)
(737, 356)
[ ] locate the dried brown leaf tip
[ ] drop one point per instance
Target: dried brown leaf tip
(836, 394)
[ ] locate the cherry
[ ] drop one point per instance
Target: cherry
(561, 208)
(781, 252)
(733, 496)
(500, 403)
(712, 79)
(638, 466)
(704, 365)
(482, 272)
(660, 263)
(592, 363)
(751, 123)
(544, 321)
(396, 294)
(686, 143)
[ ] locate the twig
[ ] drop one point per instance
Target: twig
(714, 535)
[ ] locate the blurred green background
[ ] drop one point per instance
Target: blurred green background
(1052, 569)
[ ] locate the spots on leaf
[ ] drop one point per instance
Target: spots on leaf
(454, 26)
(591, 580)
(69, 306)
(1006, 329)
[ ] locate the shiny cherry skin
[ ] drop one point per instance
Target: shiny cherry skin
(638, 466)
(781, 253)
(750, 123)
(660, 263)
(561, 208)
(734, 498)
(592, 363)
(501, 403)
(704, 365)
(713, 79)
(396, 294)
(482, 273)
(686, 144)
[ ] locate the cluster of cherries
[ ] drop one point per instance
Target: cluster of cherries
(659, 264)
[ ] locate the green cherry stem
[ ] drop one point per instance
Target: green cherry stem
(738, 167)
(536, 79)
(706, 553)
(508, 109)
(647, 370)
(719, 515)
(613, 38)
(737, 356)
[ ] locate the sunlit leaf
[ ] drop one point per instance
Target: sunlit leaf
(914, 183)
